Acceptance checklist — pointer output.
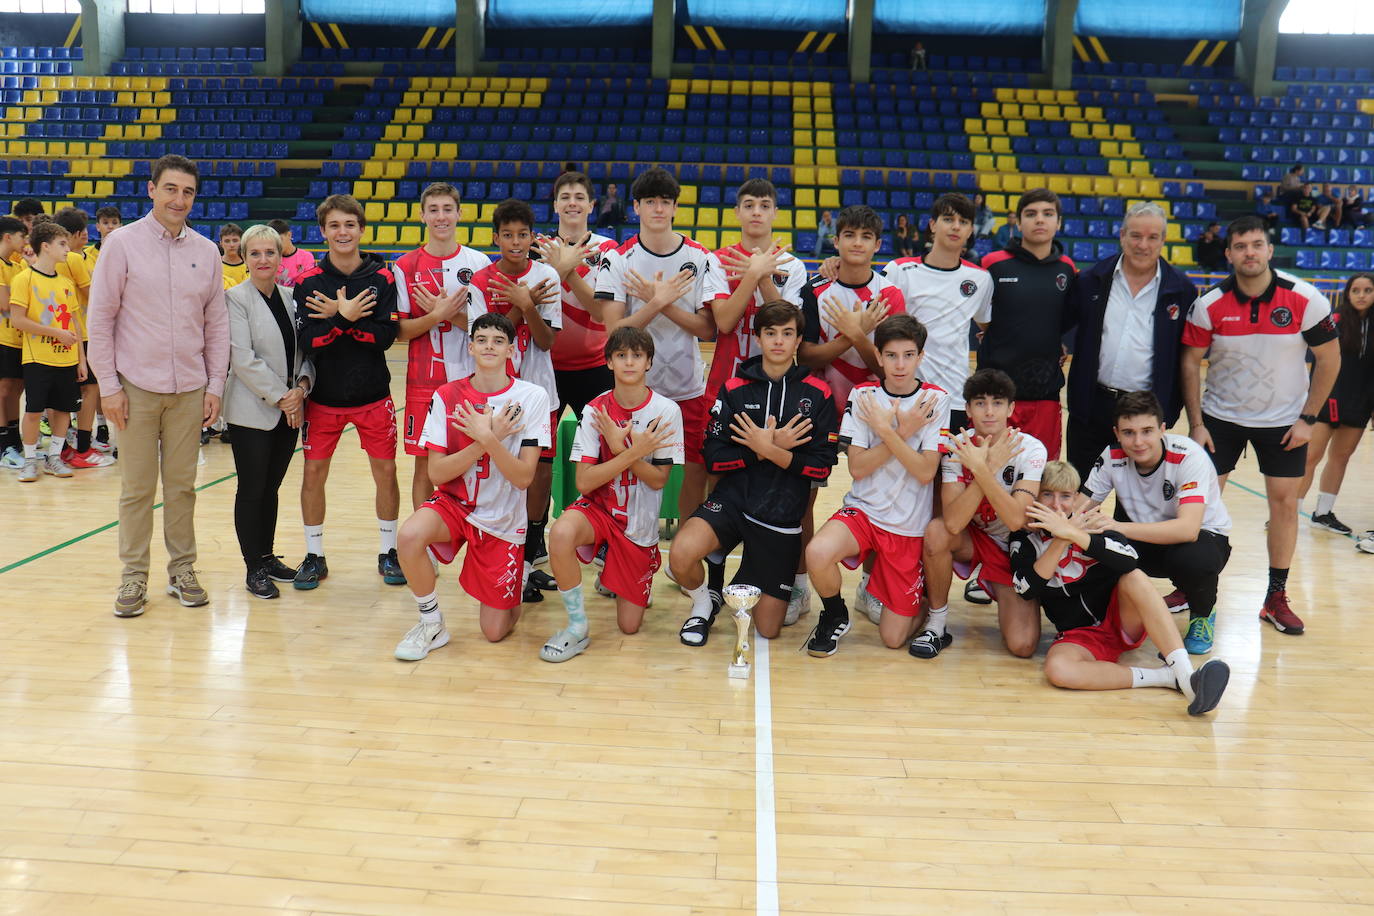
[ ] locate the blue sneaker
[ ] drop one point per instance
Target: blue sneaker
(1201, 632)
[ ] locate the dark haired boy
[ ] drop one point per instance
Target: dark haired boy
(526, 292)
(346, 316)
(627, 442)
(231, 254)
(773, 432)
(484, 434)
(893, 432)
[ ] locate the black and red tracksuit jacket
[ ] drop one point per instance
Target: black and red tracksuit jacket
(771, 494)
(1029, 317)
(349, 356)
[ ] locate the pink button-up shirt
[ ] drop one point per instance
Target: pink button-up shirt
(156, 314)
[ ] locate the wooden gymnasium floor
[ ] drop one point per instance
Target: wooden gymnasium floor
(272, 757)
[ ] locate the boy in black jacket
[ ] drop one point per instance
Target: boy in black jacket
(346, 318)
(773, 430)
(1102, 605)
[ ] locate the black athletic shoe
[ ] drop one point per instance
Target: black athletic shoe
(928, 645)
(278, 570)
(600, 559)
(1329, 521)
(225, 436)
(260, 584)
(1208, 683)
(538, 553)
(542, 581)
(312, 569)
(531, 594)
(389, 568)
(204, 436)
(825, 636)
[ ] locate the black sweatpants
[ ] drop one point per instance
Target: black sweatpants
(261, 457)
(1193, 567)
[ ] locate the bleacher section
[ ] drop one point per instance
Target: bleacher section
(187, 62)
(16, 61)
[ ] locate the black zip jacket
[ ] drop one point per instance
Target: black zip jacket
(1029, 318)
(1080, 591)
(767, 493)
(349, 356)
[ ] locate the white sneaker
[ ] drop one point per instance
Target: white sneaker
(12, 459)
(422, 639)
(54, 465)
(799, 606)
(601, 589)
(1366, 543)
(866, 604)
(28, 473)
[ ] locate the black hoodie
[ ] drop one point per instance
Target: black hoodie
(768, 493)
(349, 356)
(1029, 318)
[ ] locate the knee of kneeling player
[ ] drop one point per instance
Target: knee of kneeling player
(893, 639)
(1059, 671)
(1020, 646)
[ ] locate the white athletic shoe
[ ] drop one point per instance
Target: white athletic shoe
(422, 639)
(866, 604)
(1366, 543)
(12, 459)
(799, 606)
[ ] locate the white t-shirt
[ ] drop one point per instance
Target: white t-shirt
(945, 301)
(530, 362)
(1186, 475)
(494, 504)
(1028, 466)
(631, 502)
(892, 499)
(677, 372)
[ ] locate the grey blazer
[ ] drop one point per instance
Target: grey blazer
(258, 374)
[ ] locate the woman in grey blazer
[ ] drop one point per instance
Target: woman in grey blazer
(264, 402)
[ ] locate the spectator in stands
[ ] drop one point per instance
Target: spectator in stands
(825, 232)
(1290, 185)
(1352, 207)
(982, 217)
(1007, 233)
(26, 209)
(1330, 200)
(918, 56)
(159, 389)
(1210, 253)
(294, 261)
(1128, 311)
(1305, 210)
(1269, 211)
(903, 237)
(610, 210)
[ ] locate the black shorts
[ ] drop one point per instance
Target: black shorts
(1230, 441)
(11, 362)
(577, 387)
(1347, 409)
(50, 388)
(770, 556)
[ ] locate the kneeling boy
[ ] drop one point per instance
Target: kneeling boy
(772, 432)
(1101, 603)
(892, 432)
(626, 446)
(484, 434)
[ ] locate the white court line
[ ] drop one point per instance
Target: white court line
(765, 822)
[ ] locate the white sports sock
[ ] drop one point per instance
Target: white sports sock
(387, 529)
(577, 612)
(1154, 677)
(936, 621)
(314, 539)
(429, 607)
(701, 601)
(31, 451)
(55, 446)
(1182, 669)
(800, 582)
(1325, 503)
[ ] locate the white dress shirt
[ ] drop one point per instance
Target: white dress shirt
(1127, 357)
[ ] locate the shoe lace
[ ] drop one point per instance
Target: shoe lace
(1278, 603)
(131, 589)
(186, 579)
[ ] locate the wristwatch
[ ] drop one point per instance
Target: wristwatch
(1309, 418)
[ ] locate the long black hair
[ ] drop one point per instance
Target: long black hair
(1349, 319)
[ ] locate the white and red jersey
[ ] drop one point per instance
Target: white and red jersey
(582, 342)
(677, 372)
(945, 301)
(632, 503)
(1028, 466)
(735, 346)
(1257, 369)
(892, 499)
(848, 369)
(1184, 476)
(531, 362)
(492, 502)
(440, 354)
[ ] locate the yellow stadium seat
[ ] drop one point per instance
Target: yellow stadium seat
(822, 103)
(1004, 94)
(486, 212)
(415, 215)
(384, 151)
(1073, 113)
(1009, 110)
(386, 235)
(687, 194)
(410, 237)
(985, 163)
(1092, 113)
(385, 190)
(481, 236)
(104, 189)
(397, 212)
(1121, 131)
(825, 138)
(686, 216)
(803, 157)
(706, 237)
(784, 220)
(1025, 95)
(405, 152)
(1082, 185)
(825, 157)
(978, 144)
(467, 213)
(803, 138)
(1059, 184)
(1173, 232)
(1140, 168)
(373, 169)
(1014, 182)
(730, 219)
(1110, 149)
(1131, 150)
(460, 235)
(1079, 130)
(1101, 131)
(804, 219)
(426, 152)
(1152, 189)
(708, 216)
(994, 126)
(368, 234)
(392, 132)
(828, 178)
(363, 190)
(990, 181)
(447, 152)
(1031, 112)
(1001, 144)
(974, 126)
(1104, 186)
(83, 189)
(829, 198)
(1118, 167)
(989, 109)
(1052, 113)
(1006, 163)
(997, 203)
(374, 211)
(804, 199)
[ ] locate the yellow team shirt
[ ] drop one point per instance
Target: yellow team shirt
(234, 274)
(10, 336)
(92, 254)
(78, 271)
(49, 300)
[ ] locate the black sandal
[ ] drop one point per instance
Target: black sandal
(699, 627)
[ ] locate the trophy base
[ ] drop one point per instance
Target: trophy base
(739, 671)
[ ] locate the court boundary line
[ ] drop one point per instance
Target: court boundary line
(765, 815)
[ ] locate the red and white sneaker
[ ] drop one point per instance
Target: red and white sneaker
(89, 459)
(1176, 601)
(1277, 612)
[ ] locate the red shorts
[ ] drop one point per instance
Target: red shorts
(493, 570)
(413, 422)
(630, 568)
(695, 413)
(991, 556)
(897, 579)
(548, 454)
(1044, 420)
(1107, 641)
(375, 422)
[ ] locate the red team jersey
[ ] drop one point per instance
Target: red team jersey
(530, 363)
(582, 342)
(442, 353)
(848, 369)
(1028, 466)
(734, 347)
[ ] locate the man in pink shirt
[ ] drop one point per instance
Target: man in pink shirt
(159, 348)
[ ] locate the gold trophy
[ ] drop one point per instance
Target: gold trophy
(742, 598)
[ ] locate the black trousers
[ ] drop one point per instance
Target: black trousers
(261, 458)
(1192, 567)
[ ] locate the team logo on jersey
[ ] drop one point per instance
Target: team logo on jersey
(1062, 282)
(1190, 485)
(1173, 311)
(712, 506)
(1328, 324)
(1009, 475)
(593, 258)
(690, 267)
(465, 275)
(967, 288)
(804, 407)
(1281, 317)
(1168, 489)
